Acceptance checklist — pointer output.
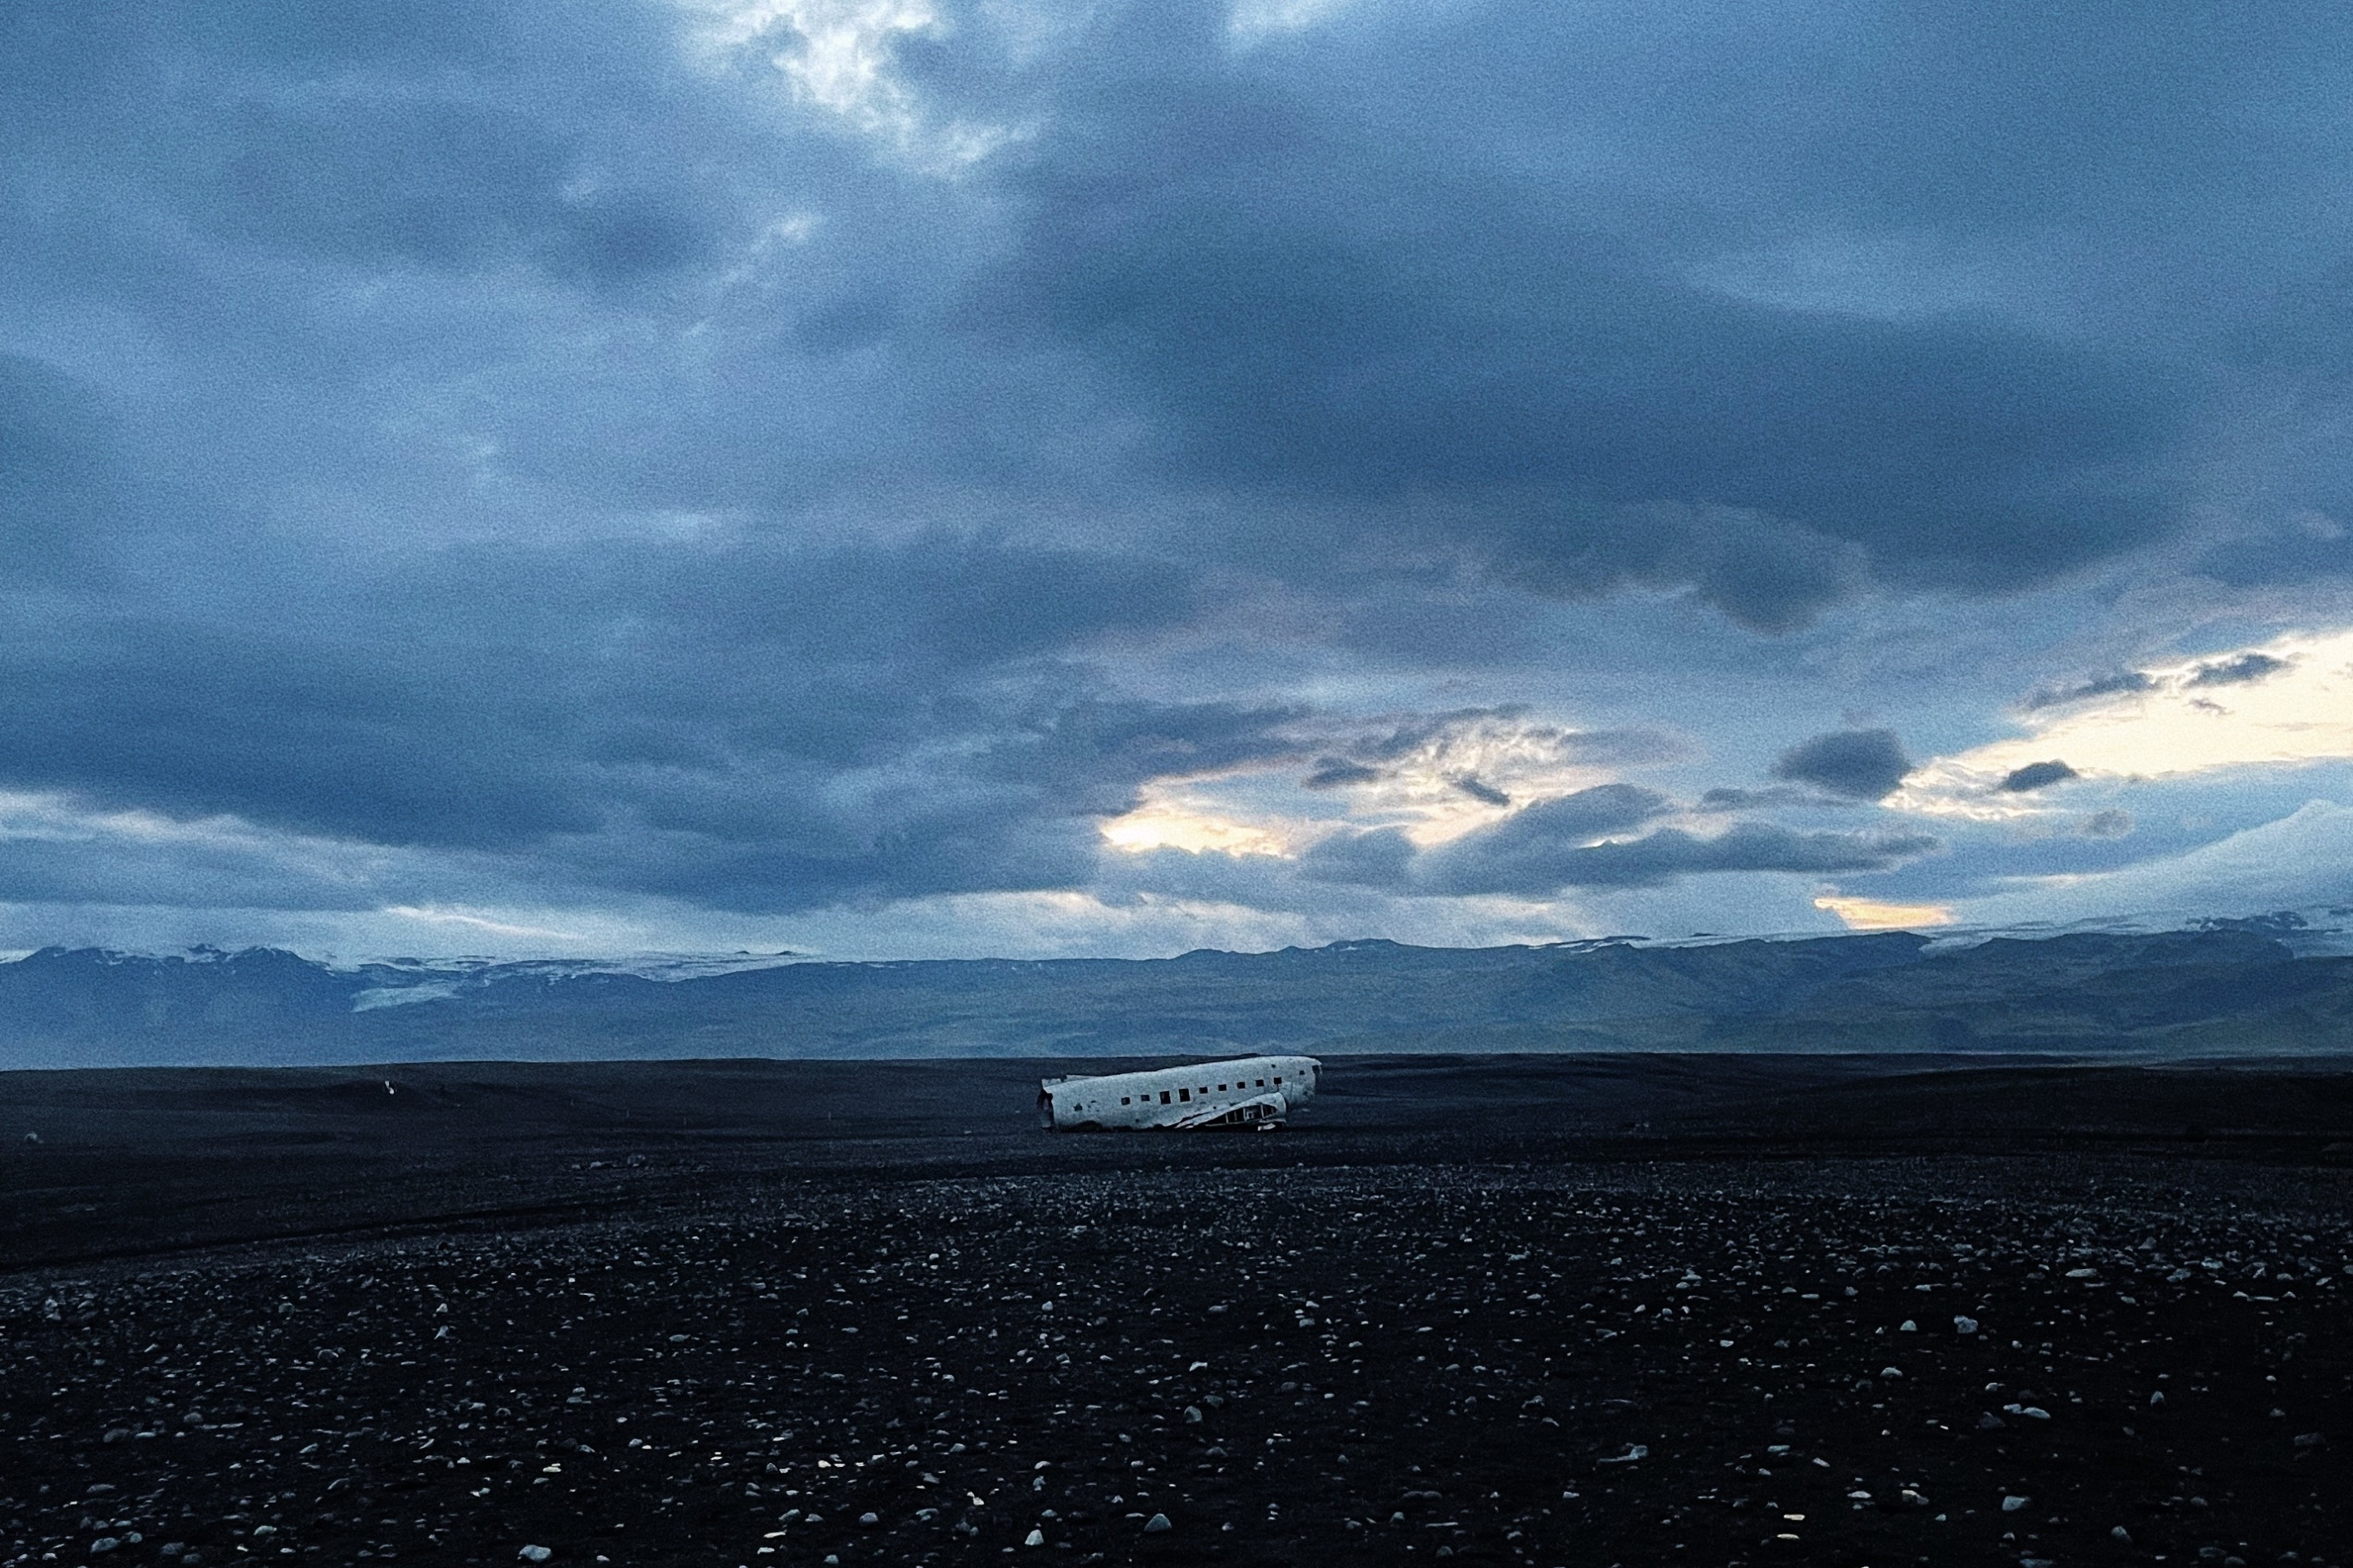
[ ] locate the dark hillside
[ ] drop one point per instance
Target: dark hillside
(2198, 992)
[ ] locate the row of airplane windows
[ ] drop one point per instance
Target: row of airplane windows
(1186, 1094)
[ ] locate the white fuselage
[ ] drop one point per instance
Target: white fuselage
(1250, 1091)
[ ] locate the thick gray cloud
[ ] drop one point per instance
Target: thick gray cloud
(758, 729)
(533, 443)
(2035, 776)
(1859, 764)
(1310, 313)
(1536, 864)
(1524, 850)
(1337, 772)
(1381, 858)
(1486, 794)
(2244, 669)
(1566, 844)
(1730, 798)
(2124, 684)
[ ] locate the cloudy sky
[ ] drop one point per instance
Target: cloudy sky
(913, 477)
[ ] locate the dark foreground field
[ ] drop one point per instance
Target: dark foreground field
(1546, 1311)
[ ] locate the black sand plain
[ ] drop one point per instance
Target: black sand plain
(1564, 1311)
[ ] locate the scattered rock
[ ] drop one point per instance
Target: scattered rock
(1453, 1308)
(1157, 1525)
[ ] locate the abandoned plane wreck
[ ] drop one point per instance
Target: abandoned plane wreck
(1251, 1092)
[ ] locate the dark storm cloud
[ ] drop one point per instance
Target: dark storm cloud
(1859, 764)
(1521, 852)
(2124, 684)
(1338, 772)
(1566, 844)
(1245, 291)
(1536, 848)
(2244, 669)
(62, 478)
(1725, 798)
(1534, 865)
(190, 871)
(2036, 776)
(511, 434)
(1482, 792)
(1382, 858)
(374, 221)
(759, 729)
(1319, 292)
(445, 136)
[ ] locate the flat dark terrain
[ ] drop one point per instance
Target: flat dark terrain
(1610, 1309)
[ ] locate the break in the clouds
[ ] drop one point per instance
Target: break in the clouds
(943, 477)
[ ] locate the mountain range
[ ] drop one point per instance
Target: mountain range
(2228, 989)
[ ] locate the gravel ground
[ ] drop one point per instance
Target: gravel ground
(2112, 1358)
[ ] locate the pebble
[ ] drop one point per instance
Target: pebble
(316, 1402)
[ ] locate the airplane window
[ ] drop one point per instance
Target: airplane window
(1185, 1094)
(1221, 1088)
(1278, 1078)
(1164, 1096)
(1122, 1099)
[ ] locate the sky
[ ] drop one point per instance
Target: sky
(902, 478)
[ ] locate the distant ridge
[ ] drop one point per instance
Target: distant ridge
(2227, 989)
